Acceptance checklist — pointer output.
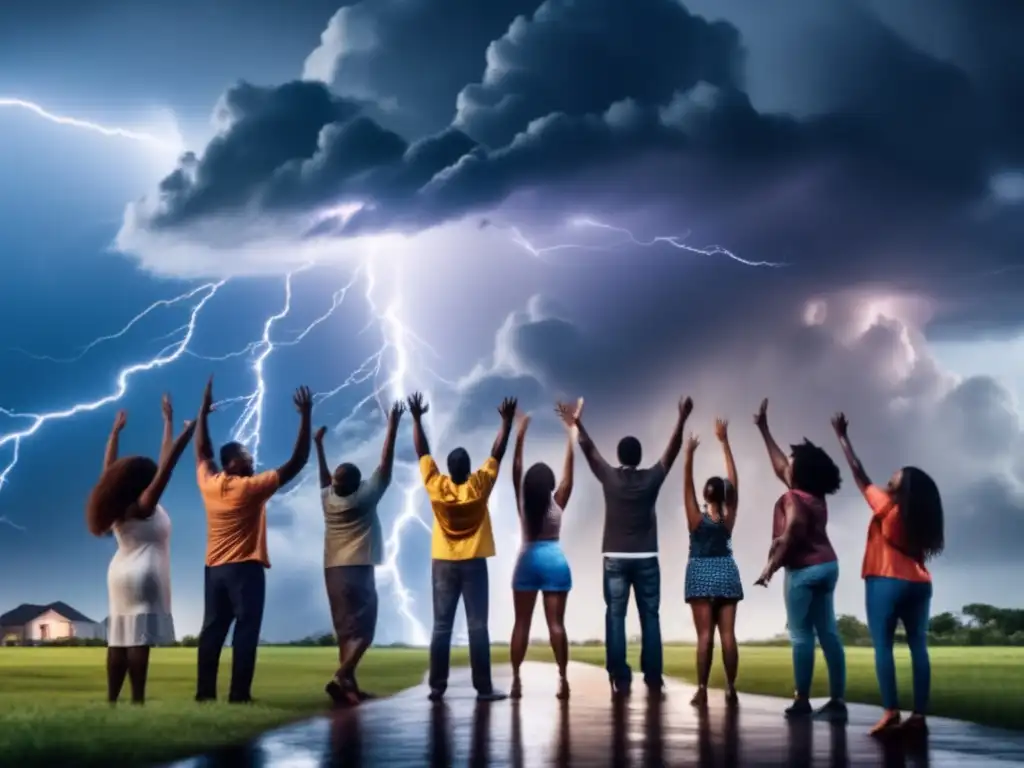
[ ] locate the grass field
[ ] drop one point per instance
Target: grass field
(52, 708)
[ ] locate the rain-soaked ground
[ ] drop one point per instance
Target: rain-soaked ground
(590, 729)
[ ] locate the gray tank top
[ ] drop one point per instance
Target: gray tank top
(551, 527)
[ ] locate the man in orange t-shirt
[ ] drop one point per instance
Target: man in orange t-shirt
(906, 529)
(236, 498)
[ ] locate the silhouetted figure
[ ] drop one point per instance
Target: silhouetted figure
(236, 499)
(800, 544)
(462, 541)
(630, 547)
(906, 530)
(126, 502)
(541, 566)
(353, 547)
(713, 586)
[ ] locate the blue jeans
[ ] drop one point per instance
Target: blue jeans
(643, 576)
(810, 611)
(890, 601)
(454, 579)
(235, 593)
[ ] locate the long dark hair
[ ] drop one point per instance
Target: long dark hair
(538, 485)
(921, 513)
(118, 488)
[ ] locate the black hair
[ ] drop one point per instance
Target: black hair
(538, 485)
(229, 452)
(629, 451)
(718, 490)
(349, 476)
(120, 486)
(458, 465)
(814, 472)
(921, 514)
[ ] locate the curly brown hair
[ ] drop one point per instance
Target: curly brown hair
(118, 488)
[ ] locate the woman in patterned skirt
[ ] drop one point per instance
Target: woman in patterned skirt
(713, 584)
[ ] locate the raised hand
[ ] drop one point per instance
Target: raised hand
(207, 402)
(397, 409)
(692, 441)
(722, 429)
(523, 422)
(761, 417)
(120, 420)
(320, 434)
(840, 425)
(303, 400)
(569, 414)
(579, 409)
(188, 427)
(417, 406)
(685, 407)
(167, 408)
(507, 409)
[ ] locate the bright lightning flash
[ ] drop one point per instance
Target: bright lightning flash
(87, 125)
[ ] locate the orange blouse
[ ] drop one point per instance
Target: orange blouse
(882, 556)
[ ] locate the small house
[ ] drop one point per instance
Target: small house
(30, 624)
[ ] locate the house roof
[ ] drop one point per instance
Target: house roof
(26, 612)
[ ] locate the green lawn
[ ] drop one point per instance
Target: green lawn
(52, 708)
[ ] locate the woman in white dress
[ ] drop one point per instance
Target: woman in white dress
(125, 502)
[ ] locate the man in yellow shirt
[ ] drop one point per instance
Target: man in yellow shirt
(236, 499)
(461, 543)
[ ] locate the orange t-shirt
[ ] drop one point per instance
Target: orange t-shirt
(885, 534)
(236, 515)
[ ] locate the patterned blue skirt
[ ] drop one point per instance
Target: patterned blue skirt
(713, 578)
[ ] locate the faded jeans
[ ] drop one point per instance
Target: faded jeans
(810, 611)
(643, 577)
(890, 601)
(452, 580)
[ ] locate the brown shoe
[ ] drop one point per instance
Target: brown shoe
(889, 722)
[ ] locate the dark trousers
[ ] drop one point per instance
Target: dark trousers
(235, 593)
(352, 595)
(466, 579)
(643, 577)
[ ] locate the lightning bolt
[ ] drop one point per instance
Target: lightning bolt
(86, 125)
(628, 238)
(124, 376)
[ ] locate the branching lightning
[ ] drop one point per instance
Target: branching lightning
(86, 125)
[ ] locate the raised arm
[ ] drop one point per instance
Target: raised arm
(507, 411)
(732, 496)
(204, 448)
(321, 458)
(780, 462)
(564, 489)
(110, 454)
(168, 411)
(675, 442)
(517, 460)
(150, 497)
(781, 546)
(595, 460)
(417, 409)
(387, 452)
(300, 453)
(689, 493)
(841, 425)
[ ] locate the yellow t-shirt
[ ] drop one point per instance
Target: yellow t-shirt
(462, 522)
(236, 515)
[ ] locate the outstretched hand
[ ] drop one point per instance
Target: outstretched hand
(761, 417)
(303, 400)
(397, 409)
(119, 421)
(523, 422)
(167, 408)
(692, 441)
(722, 429)
(320, 435)
(207, 403)
(685, 407)
(840, 424)
(507, 409)
(417, 406)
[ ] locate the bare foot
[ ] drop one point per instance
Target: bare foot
(700, 698)
(889, 721)
(517, 689)
(731, 697)
(563, 689)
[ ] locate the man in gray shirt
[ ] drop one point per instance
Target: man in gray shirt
(630, 547)
(353, 546)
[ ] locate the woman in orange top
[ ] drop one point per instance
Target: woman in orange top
(905, 531)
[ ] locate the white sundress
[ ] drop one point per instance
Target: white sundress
(139, 583)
